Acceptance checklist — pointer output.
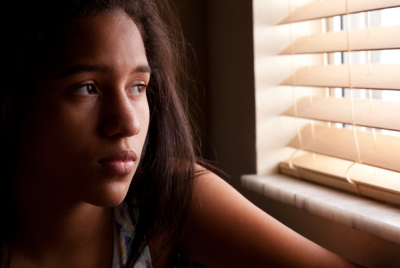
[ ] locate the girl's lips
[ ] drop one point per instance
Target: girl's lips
(120, 167)
(121, 163)
(121, 155)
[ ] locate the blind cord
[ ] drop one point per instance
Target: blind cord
(311, 95)
(371, 106)
(351, 101)
(299, 136)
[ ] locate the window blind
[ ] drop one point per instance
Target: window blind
(351, 158)
(330, 8)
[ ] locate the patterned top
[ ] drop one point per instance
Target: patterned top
(124, 229)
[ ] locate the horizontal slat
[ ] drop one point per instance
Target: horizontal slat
(379, 38)
(332, 8)
(318, 168)
(382, 76)
(384, 114)
(373, 182)
(340, 143)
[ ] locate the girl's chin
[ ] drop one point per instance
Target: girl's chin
(106, 202)
(106, 196)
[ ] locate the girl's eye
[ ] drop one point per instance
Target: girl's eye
(86, 89)
(137, 89)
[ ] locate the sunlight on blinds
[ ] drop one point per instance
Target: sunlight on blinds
(355, 130)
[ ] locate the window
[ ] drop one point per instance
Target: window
(345, 138)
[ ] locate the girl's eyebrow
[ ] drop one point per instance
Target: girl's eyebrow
(142, 69)
(101, 68)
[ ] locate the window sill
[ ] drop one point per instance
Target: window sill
(369, 216)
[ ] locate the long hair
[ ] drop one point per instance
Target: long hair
(162, 185)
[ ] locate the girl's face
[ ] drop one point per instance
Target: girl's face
(84, 129)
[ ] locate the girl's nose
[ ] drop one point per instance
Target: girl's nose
(120, 117)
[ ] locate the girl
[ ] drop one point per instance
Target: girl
(98, 163)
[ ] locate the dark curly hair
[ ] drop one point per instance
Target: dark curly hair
(162, 185)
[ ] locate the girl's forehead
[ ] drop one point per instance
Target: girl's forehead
(107, 39)
(103, 30)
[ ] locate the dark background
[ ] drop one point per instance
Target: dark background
(220, 55)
